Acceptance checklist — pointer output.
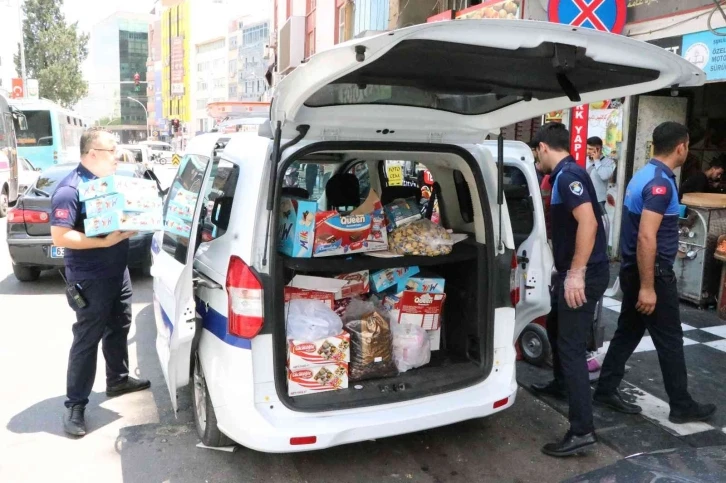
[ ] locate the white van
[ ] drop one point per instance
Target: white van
(429, 94)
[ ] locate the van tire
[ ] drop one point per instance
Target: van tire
(205, 418)
(4, 201)
(535, 345)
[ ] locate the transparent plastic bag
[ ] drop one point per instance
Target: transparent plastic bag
(421, 238)
(371, 348)
(310, 320)
(357, 308)
(411, 346)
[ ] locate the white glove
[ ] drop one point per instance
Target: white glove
(575, 288)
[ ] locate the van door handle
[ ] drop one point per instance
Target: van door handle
(200, 280)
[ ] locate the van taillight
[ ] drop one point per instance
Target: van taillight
(513, 281)
(244, 291)
(27, 216)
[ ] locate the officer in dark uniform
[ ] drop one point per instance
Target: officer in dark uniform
(649, 244)
(98, 286)
(579, 246)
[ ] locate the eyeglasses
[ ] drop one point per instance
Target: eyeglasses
(108, 150)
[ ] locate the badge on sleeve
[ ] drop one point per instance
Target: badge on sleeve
(576, 188)
(61, 214)
(659, 190)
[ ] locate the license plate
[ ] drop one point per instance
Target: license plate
(57, 252)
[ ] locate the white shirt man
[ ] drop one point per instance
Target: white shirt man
(599, 168)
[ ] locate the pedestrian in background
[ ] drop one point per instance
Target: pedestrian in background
(649, 244)
(98, 286)
(600, 169)
(579, 248)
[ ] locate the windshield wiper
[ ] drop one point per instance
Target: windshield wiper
(39, 192)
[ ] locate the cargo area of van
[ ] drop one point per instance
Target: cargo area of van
(447, 189)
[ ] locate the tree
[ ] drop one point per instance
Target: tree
(54, 52)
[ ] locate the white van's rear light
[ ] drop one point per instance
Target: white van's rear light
(303, 440)
(513, 285)
(501, 402)
(245, 295)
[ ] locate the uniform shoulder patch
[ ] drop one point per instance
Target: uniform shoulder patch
(61, 214)
(659, 190)
(576, 188)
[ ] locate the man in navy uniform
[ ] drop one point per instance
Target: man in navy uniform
(579, 246)
(649, 244)
(98, 285)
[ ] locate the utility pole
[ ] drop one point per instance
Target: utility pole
(23, 74)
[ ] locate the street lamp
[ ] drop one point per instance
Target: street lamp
(145, 112)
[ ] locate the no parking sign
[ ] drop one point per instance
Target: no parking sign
(605, 15)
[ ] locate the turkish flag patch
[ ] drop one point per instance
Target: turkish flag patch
(60, 214)
(659, 190)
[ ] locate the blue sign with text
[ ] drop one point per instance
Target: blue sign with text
(707, 51)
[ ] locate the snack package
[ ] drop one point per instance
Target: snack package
(182, 211)
(411, 346)
(371, 353)
(315, 379)
(421, 238)
(422, 284)
(358, 283)
(388, 277)
(416, 308)
(401, 212)
(177, 226)
(311, 320)
(123, 221)
(144, 201)
(297, 227)
(322, 351)
(109, 185)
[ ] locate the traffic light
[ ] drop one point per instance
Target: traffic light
(175, 125)
(137, 82)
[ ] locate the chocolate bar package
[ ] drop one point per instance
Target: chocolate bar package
(123, 221)
(109, 185)
(315, 379)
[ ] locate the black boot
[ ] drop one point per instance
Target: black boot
(615, 402)
(74, 422)
(130, 385)
(571, 444)
(697, 412)
(552, 388)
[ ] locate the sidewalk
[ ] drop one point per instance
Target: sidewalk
(705, 351)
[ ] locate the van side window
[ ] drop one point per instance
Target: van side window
(519, 202)
(181, 205)
(463, 195)
(219, 199)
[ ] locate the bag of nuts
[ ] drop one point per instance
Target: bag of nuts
(421, 238)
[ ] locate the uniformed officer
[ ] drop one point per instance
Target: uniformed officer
(581, 261)
(649, 244)
(98, 286)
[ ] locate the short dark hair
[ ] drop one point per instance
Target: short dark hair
(594, 141)
(667, 136)
(716, 163)
(554, 135)
(90, 136)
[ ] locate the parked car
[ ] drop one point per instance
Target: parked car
(28, 229)
(27, 174)
(141, 154)
(431, 94)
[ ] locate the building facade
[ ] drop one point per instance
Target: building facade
(210, 75)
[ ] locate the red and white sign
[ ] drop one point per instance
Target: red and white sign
(578, 133)
(18, 90)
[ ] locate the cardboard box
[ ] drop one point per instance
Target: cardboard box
(422, 284)
(388, 277)
(177, 226)
(297, 227)
(109, 185)
(139, 202)
(302, 354)
(315, 288)
(358, 283)
(316, 379)
(364, 230)
(293, 293)
(416, 308)
(182, 211)
(123, 221)
(435, 339)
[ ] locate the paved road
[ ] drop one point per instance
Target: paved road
(137, 438)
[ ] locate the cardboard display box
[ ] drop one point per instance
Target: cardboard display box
(109, 185)
(145, 201)
(316, 379)
(301, 354)
(123, 221)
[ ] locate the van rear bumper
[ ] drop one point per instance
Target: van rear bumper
(268, 427)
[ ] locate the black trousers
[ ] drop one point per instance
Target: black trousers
(568, 330)
(664, 326)
(106, 319)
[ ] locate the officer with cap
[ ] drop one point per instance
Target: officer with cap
(649, 244)
(98, 286)
(581, 261)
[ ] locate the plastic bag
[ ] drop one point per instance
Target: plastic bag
(357, 309)
(310, 320)
(371, 348)
(421, 238)
(411, 346)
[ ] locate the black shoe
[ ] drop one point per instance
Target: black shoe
(74, 422)
(570, 445)
(130, 385)
(697, 412)
(615, 402)
(552, 388)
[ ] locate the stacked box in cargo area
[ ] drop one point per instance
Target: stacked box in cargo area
(120, 203)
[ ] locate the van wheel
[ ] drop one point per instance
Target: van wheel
(204, 417)
(4, 201)
(535, 344)
(26, 274)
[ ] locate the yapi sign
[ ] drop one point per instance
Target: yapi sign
(578, 133)
(605, 15)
